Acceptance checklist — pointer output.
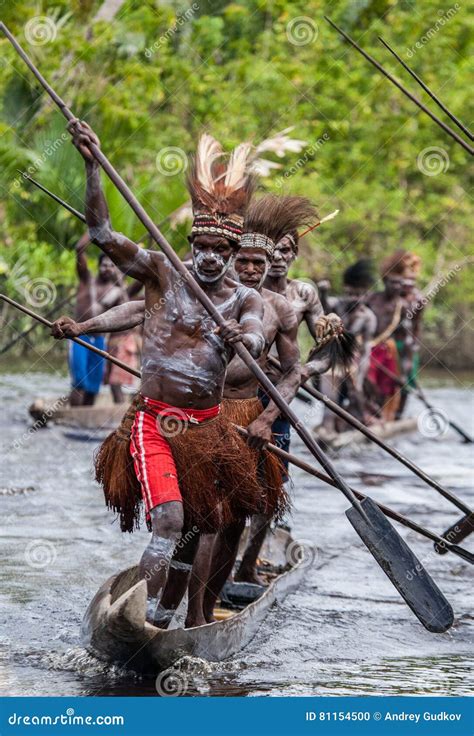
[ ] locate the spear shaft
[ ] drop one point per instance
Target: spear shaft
(428, 90)
(403, 89)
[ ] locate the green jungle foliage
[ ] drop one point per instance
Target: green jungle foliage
(158, 73)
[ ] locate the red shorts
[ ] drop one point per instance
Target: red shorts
(151, 451)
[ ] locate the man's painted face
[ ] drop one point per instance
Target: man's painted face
(251, 266)
(408, 286)
(283, 257)
(212, 256)
(393, 285)
(108, 271)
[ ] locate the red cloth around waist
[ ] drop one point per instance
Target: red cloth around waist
(151, 451)
(190, 415)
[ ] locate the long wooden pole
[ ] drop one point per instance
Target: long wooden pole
(444, 544)
(418, 391)
(192, 284)
(77, 340)
(32, 327)
(400, 86)
(343, 414)
(434, 97)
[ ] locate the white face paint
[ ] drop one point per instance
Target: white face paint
(199, 259)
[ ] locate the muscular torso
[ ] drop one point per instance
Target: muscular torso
(278, 316)
(183, 360)
(304, 299)
(359, 320)
(94, 297)
(383, 308)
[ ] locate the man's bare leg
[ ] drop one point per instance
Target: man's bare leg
(167, 525)
(179, 573)
(117, 393)
(247, 572)
(224, 552)
(76, 397)
(198, 581)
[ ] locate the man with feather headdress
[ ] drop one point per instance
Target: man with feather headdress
(188, 464)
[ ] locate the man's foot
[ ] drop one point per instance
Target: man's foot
(192, 621)
(248, 576)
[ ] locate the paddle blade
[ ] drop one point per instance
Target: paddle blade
(403, 568)
(457, 532)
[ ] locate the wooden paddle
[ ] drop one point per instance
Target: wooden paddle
(381, 539)
(422, 607)
(354, 422)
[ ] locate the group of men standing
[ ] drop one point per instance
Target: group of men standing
(178, 452)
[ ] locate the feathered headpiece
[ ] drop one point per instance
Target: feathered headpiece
(220, 190)
(402, 263)
(270, 218)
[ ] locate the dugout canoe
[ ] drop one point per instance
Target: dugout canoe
(114, 627)
(338, 440)
(105, 415)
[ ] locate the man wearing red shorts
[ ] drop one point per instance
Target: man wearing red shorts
(195, 473)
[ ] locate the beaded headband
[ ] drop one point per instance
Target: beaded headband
(230, 226)
(257, 240)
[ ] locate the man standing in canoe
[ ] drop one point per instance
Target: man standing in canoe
(192, 469)
(361, 322)
(387, 306)
(407, 334)
(269, 217)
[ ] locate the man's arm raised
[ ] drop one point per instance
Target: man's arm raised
(127, 255)
(117, 319)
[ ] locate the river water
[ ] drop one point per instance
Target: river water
(345, 631)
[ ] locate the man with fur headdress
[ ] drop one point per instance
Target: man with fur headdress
(266, 221)
(190, 466)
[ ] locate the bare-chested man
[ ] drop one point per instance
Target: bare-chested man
(305, 301)
(387, 306)
(407, 334)
(361, 322)
(178, 437)
(241, 405)
(95, 294)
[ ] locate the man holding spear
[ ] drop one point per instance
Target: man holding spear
(185, 453)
